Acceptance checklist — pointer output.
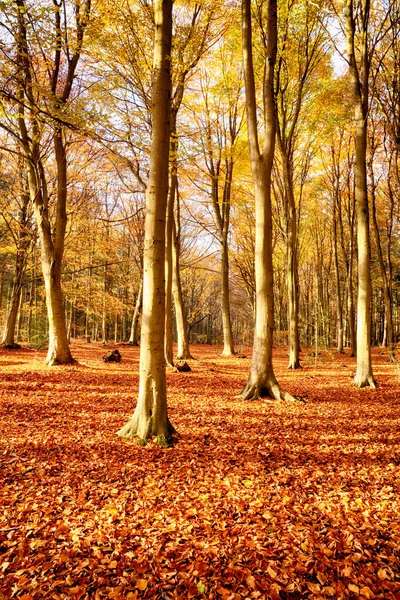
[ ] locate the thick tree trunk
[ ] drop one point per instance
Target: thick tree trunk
(150, 416)
(30, 133)
(133, 338)
(262, 381)
(52, 252)
(59, 352)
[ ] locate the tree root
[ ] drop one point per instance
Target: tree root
(273, 391)
(56, 362)
(370, 381)
(134, 429)
(185, 356)
(295, 365)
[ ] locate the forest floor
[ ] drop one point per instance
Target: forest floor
(256, 500)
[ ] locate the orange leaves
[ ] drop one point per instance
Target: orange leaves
(255, 501)
(141, 584)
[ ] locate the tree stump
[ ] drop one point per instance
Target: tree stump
(182, 367)
(112, 356)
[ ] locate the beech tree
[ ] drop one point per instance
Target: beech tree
(300, 51)
(262, 380)
(18, 219)
(357, 37)
(220, 123)
(191, 41)
(150, 417)
(38, 93)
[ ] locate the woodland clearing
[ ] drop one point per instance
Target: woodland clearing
(255, 500)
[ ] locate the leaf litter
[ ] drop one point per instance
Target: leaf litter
(255, 500)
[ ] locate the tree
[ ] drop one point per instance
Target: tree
(150, 416)
(357, 23)
(20, 228)
(262, 380)
(38, 92)
(221, 127)
(301, 50)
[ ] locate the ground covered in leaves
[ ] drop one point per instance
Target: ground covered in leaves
(256, 500)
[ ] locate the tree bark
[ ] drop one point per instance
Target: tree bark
(360, 76)
(23, 242)
(168, 346)
(386, 276)
(29, 97)
(291, 274)
(150, 417)
(339, 307)
(228, 349)
(181, 325)
(262, 381)
(133, 339)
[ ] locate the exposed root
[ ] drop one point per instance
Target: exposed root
(56, 362)
(136, 429)
(369, 381)
(295, 365)
(273, 391)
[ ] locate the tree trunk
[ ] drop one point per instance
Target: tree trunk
(52, 252)
(150, 416)
(363, 376)
(181, 325)
(262, 381)
(291, 265)
(350, 307)
(9, 329)
(23, 242)
(339, 307)
(133, 338)
(30, 127)
(228, 349)
(168, 346)
(386, 276)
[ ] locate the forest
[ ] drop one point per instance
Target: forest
(207, 193)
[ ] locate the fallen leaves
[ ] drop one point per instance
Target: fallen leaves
(257, 500)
